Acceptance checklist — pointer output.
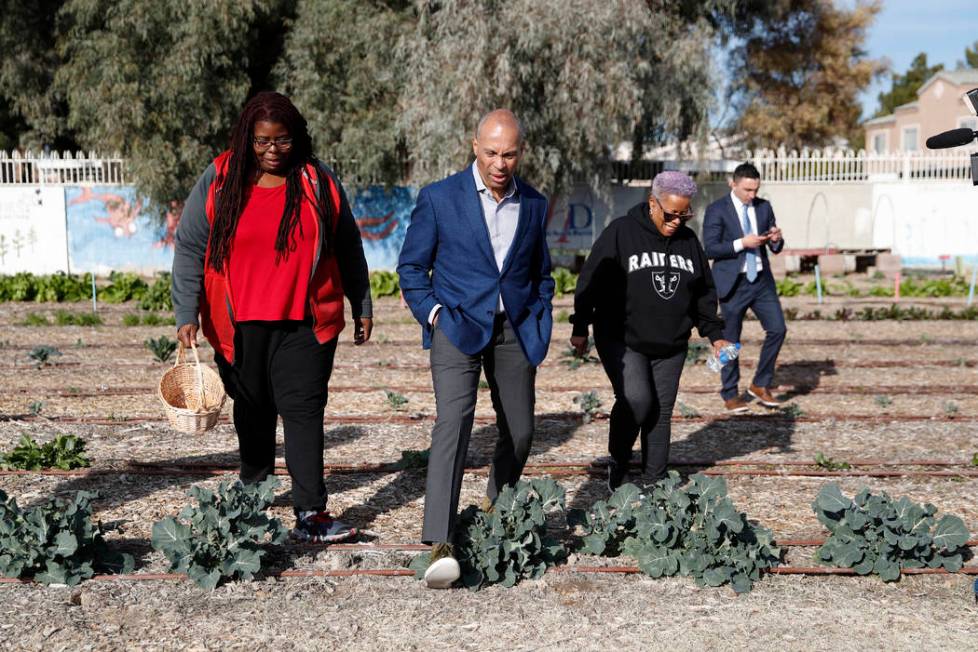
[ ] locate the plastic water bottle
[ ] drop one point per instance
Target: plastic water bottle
(727, 353)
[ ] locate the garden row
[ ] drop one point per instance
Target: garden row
(892, 312)
(667, 529)
(124, 286)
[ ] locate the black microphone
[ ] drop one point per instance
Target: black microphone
(952, 138)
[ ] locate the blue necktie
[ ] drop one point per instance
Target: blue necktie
(751, 256)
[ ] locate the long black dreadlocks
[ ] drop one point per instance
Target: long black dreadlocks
(240, 175)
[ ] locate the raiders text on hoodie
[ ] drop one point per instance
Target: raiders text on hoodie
(645, 288)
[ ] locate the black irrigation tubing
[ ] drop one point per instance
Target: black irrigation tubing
(775, 418)
(404, 572)
(792, 390)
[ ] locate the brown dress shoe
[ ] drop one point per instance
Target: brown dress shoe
(764, 396)
(735, 405)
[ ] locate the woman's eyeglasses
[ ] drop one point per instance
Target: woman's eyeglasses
(669, 217)
(282, 143)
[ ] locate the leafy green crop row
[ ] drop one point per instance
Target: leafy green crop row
(955, 286)
(696, 531)
(121, 287)
(893, 313)
(385, 284)
(125, 286)
(668, 529)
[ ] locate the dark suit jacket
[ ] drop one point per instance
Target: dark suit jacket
(721, 226)
(447, 258)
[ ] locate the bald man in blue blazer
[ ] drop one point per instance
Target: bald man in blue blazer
(475, 271)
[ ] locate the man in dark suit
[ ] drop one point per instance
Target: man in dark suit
(738, 230)
(475, 271)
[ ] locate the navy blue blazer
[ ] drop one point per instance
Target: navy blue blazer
(447, 258)
(721, 226)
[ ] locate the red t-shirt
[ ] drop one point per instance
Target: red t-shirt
(263, 289)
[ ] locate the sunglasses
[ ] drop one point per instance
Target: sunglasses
(669, 217)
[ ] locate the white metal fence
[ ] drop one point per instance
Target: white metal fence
(842, 166)
(776, 166)
(34, 169)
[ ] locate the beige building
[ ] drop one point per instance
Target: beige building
(938, 108)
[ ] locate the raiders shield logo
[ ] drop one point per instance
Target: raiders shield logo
(665, 283)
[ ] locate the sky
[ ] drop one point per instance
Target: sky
(904, 28)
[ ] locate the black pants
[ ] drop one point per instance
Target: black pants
(280, 369)
(761, 296)
(645, 394)
(455, 376)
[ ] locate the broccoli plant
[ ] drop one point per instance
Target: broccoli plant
(824, 462)
(590, 405)
(55, 542)
(222, 536)
(161, 347)
(687, 412)
(395, 400)
(696, 352)
(413, 459)
(876, 534)
(572, 361)
(41, 355)
(64, 452)
(509, 543)
(384, 284)
(694, 531)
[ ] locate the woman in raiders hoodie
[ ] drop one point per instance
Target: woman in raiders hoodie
(644, 286)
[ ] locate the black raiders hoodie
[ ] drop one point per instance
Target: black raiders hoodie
(645, 288)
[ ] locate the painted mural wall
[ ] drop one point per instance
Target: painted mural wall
(111, 228)
(103, 228)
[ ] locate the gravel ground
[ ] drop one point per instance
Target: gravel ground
(560, 612)
(563, 611)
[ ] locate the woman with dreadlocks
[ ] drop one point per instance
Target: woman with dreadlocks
(265, 251)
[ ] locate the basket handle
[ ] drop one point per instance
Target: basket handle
(181, 356)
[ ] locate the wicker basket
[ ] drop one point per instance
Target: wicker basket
(192, 395)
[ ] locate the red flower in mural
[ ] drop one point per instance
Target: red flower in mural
(387, 223)
(120, 214)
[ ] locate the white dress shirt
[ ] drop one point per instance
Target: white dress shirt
(501, 218)
(738, 244)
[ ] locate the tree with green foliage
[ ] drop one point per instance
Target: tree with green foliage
(582, 75)
(32, 111)
(339, 66)
(384, 82)
(903, 88)
(970, 58)
(800, 70)
(163, 82)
